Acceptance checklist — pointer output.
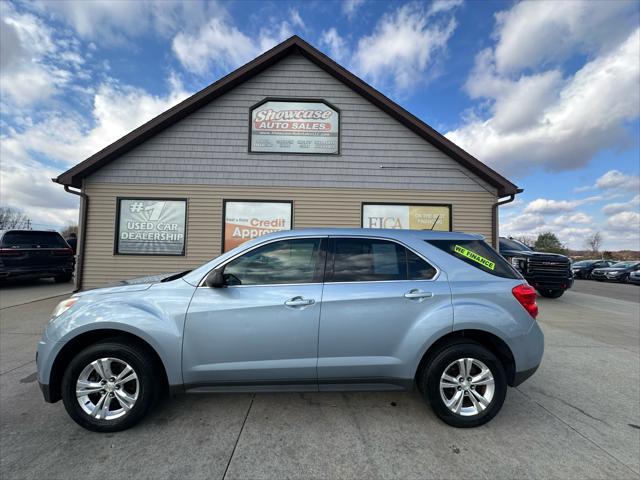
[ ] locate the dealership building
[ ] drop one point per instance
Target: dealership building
(289, 140)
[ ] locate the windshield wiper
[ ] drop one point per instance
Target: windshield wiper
(175, 276)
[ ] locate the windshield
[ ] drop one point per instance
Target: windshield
(624, 264)
(511, 244)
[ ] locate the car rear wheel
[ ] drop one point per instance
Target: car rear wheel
(551, 293)
(465, 385)
(109, 386)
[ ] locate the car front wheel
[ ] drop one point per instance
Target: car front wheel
(465, 385)
(109, 386)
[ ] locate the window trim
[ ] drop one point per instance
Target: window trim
(116, 234)
(404, 204)
(331, 258)
(224, 214)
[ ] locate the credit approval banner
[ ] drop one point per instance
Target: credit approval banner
(247, 220)
(295, 127)
(414, 217)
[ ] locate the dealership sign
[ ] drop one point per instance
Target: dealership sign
(244, 220)
(295, 127)
(415, 217)
(151, 226)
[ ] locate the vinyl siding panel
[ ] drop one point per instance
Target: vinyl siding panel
(312, 207)
(210, 146)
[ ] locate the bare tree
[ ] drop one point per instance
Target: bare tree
(594, 242)
(68, 230)
(529, 241)
(10, 218)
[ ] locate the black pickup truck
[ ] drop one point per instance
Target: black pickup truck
(549, 273)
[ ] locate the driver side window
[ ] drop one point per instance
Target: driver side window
(286, 261)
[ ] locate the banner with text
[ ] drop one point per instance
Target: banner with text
(414, 217)
(151, 226)
(294, 127)
(246, 220)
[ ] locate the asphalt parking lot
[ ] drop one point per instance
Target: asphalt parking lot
(578, 417)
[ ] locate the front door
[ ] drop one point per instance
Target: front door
(381, 303)
(262, 328)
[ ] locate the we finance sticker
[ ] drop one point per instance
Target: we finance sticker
(485, 262)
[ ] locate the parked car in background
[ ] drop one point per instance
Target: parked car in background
(618, 272)
(583, 268)
(36, 254)
(634, 277)
(549, 273)
(308, 310)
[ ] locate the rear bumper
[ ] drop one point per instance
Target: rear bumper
(43, 271)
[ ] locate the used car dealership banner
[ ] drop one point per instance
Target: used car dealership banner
(151, 227)
(246, 220)
(415, 217)
(294, 127)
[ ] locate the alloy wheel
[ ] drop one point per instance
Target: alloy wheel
(467, 387)
(107, 388)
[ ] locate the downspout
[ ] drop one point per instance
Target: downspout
(494, 216)
(84, 208)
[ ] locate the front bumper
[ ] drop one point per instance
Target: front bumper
(549, 282)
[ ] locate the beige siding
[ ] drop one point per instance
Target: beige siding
(313, 207)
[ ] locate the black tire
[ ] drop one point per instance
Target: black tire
(64, 278)
(431, 383)
(148, 386)
(551, 293)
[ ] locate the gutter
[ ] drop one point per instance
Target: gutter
(84, 208)
(494, 215)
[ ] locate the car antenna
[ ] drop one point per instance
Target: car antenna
(434, 223)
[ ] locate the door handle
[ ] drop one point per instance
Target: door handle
(299, 302)
(416, 294)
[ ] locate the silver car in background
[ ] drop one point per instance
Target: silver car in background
(309, 310)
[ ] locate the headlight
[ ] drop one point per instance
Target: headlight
(63, 306)
(519, 263)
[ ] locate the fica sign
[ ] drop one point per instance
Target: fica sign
(294, 127)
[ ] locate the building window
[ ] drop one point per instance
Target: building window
(248, 219)
(150, 226)
(414, 216)
(294, 126)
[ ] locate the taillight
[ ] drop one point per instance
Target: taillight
(9, 252)
(526, 295)
(62, 251)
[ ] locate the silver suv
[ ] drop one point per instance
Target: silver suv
(309, 310)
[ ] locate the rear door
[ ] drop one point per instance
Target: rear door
(381, 302)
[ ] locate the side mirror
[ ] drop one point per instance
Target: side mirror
(215, 279)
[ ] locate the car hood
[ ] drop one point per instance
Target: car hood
(128, 285)
(533, 255)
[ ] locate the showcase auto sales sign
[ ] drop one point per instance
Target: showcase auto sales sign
(295, 127)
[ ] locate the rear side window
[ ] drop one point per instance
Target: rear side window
(373, 260)
(477, 254)
(33, 240)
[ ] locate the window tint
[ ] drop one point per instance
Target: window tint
(477, 254)
(370, 260)
(33, 239)
(509, 244)
(287, 261)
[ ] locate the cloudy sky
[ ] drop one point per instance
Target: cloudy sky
(547, 93)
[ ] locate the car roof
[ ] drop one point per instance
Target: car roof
(375, 232)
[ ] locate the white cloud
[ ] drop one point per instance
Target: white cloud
(350, 7)
(219, 44)
(335, 45)
(296, 19)
(548, 206)
(438, 6)
(625, 221)
(617, 179)
(403, 47)
(612, 208)
(549, 121)
(535, 33)
(578, 217)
